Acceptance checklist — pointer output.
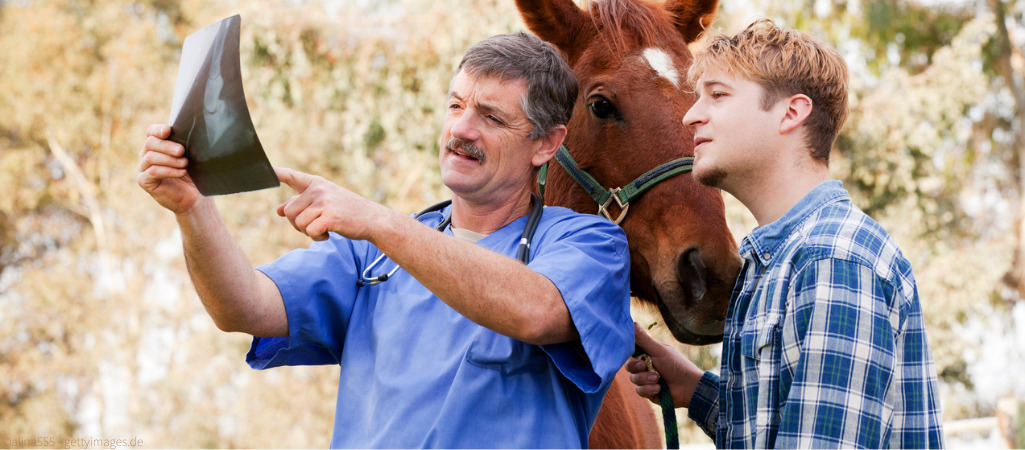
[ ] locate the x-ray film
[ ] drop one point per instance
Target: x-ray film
(210, 118)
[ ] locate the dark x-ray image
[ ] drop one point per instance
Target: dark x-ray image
(210, 118)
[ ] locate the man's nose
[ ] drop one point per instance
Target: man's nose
(695, 115)
(466, 127)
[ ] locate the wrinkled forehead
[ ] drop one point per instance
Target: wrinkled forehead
(489, 93)
(469, 80)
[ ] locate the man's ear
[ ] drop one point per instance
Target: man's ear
(798, 107)
(549, 145)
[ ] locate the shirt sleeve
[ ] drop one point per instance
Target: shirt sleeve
(916, 407)
(590, 265)
(318, 287)
(838, 358)
(704, 404)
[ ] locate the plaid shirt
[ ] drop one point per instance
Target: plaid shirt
(825, 343)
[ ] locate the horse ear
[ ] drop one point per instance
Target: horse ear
(692, 16)
(560, 22)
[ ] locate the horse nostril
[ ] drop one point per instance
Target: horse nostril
(692, 273)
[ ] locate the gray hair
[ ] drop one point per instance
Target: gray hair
(551, 86)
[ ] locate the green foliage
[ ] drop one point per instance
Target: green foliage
(918, 31)
(904, 145)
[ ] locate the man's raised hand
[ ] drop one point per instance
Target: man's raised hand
(162, 171)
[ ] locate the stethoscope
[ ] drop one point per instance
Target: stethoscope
(522, 253)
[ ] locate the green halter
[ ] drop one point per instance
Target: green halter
(621, 195)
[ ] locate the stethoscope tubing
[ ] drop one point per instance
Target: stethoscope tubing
(522, 252)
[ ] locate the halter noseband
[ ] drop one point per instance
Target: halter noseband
(621, 195)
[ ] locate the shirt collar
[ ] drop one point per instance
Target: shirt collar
(764, 242)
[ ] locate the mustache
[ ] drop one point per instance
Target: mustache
(467, 147)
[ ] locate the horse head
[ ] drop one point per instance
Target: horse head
(631, 60)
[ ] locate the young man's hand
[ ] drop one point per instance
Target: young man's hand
(680, 374)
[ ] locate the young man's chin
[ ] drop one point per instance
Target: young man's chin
(712, 177)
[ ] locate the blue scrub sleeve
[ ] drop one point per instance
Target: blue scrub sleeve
(591, 267)
(318, 286)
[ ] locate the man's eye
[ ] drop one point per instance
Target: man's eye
(495, 120)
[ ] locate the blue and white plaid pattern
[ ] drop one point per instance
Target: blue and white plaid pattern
(824, 343)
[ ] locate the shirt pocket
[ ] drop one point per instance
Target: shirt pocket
(759, 335)
(490, 350)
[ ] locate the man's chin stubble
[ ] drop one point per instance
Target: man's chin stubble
(713, 178)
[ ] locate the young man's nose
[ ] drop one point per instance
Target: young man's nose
(694, 116)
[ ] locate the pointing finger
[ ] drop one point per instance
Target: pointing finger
(294, 178)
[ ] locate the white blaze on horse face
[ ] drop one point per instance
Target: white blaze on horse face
(663, 65)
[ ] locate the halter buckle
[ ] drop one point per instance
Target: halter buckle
(603, 209)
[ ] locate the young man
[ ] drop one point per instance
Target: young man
(824, 342)
(442, 341)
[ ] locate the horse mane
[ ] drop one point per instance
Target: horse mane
(646, 21)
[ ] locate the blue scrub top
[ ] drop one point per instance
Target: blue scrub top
(415, 373)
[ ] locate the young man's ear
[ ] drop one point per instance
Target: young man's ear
(549, 145)
(798, 108)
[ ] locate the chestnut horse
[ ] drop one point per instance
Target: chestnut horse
(631, 58)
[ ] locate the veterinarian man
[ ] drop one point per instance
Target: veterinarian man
(824, 341)
(443, 339)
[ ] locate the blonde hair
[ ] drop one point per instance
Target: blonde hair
(785, 62)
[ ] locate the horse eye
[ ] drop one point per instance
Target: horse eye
(602, 108)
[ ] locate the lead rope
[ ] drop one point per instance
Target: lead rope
(665, 400)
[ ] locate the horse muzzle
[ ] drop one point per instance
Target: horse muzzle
(693, 302)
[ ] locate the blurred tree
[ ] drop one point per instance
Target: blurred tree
(1008, 63)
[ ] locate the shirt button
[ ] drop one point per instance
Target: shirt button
(766, 255)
